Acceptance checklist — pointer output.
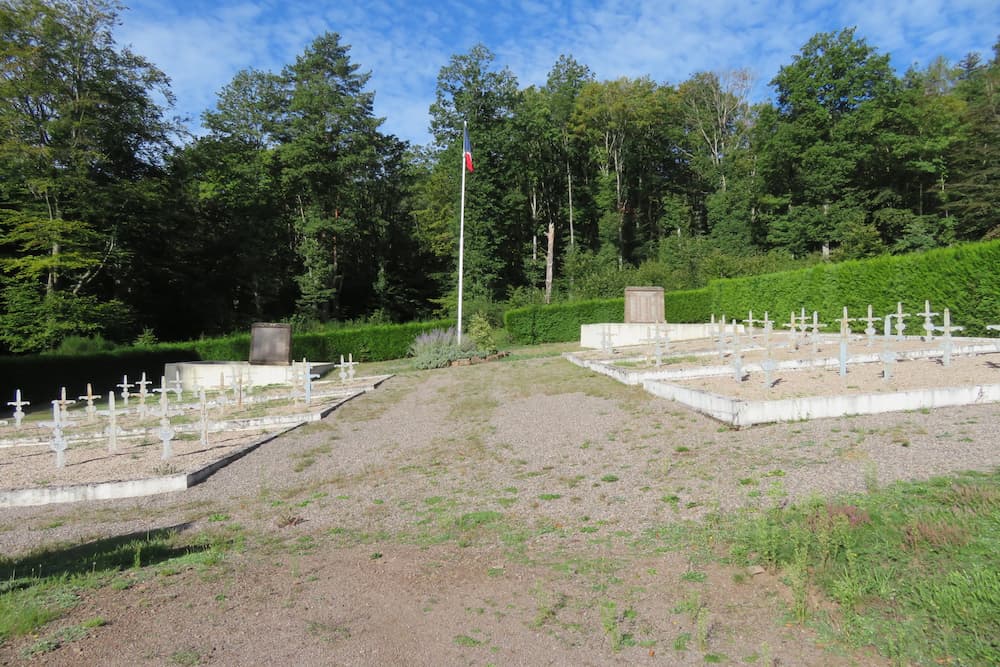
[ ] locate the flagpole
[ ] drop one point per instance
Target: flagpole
(461, 236)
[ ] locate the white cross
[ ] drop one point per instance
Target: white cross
(749, 321)
(845, 327)
(928, 323)
(18, 404)
(870, 329)
(64, 403)
(177, 384)
(900, 315)
(125, 386)
(89, 397)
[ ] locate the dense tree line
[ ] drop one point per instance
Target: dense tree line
(296, 205)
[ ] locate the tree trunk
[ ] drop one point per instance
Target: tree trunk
(549, 253)
(569, 181)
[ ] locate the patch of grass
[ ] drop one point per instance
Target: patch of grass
(186, 657)
(466, 640)
(693, 575)
(912, 566)
(681, 641)
(613, 623)
(42, 586)
(549, 496)
(609, 478)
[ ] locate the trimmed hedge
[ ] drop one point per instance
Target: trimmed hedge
(40, 377)
(693, 305)
(965, 279)
(560, 322)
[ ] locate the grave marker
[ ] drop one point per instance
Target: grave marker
(18, 404)
(870, 329)
(270, 343)
(814, 333)
(768, 328)
(143, 394)
(749, 321)
(125, 386)
(58, 442)
(900, 316)
(165, 432)
(89, 397)
(203, 407)
(112, 429)
(928, 323)
(793, 341)
(177, 385)
(721, 344)
(845, 332)
(888, 356)
(64, 404)
(946, 344)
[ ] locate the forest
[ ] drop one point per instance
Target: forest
(295, 206)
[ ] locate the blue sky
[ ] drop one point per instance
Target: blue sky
(201, 45)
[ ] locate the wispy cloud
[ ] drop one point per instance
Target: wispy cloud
(404, 44)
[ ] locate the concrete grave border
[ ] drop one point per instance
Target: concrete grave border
(740, 413)
(178, 482)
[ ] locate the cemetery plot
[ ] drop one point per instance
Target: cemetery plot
(175, 434)
(747, 375)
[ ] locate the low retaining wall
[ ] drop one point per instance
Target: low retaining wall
(625, 335)
(739, 414)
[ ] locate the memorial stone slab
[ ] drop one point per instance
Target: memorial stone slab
(271, 343)
(644, 305)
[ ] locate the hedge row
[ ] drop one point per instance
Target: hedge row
(964, 279)
(560, 322)
(688, 305)
(40, 377)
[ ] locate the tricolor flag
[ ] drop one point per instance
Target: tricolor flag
(467, 147)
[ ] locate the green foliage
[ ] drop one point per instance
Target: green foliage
(33, 321)
(481, 332)
(912, 566)
(83, 345)
(438, 348)
(561, 322)
(688, 305)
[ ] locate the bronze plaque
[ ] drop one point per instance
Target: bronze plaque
(270, 343)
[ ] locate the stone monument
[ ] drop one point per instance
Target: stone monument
(271, 343)
(644, 305)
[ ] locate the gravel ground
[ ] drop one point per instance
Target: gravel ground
(583, 465)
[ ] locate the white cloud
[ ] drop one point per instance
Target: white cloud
(404, 43)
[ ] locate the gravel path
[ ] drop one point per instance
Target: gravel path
(576, 460)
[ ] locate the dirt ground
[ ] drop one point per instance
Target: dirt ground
(521, 512)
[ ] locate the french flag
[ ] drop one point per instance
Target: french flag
(467, 147)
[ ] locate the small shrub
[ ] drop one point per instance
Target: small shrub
(80, 345)
(481, 332)
(438, 348)
(146, 339)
